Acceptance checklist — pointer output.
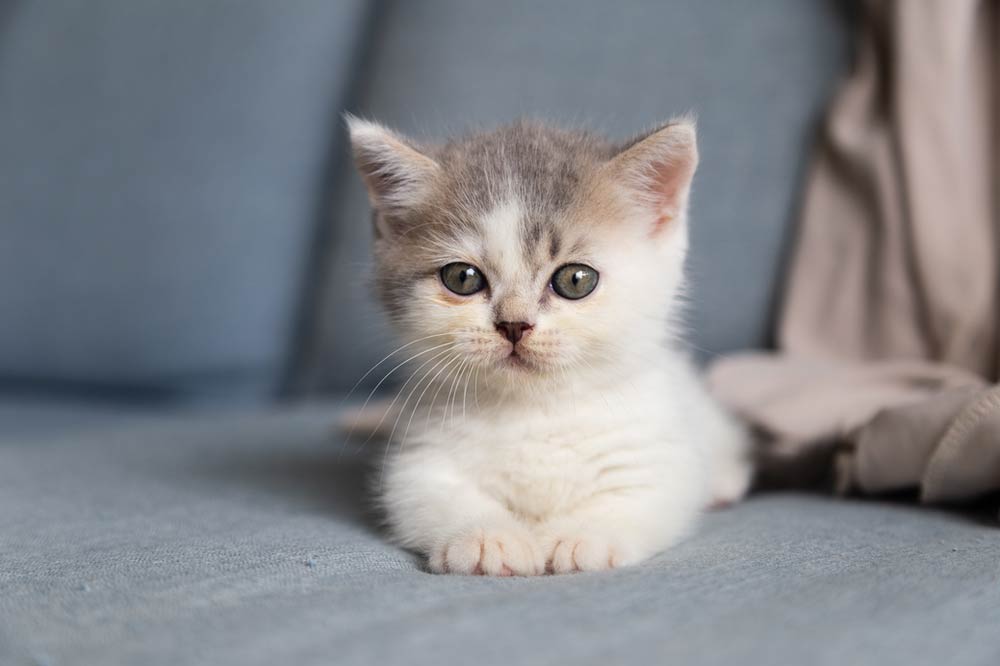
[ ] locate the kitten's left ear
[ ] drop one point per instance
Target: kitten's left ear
(658, 168)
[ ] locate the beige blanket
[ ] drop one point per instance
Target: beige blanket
(889, 335)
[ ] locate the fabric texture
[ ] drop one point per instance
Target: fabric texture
(162, 170)
(890, 334)
(438, 67)
(244, 539)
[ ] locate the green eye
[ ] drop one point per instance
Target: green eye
(463, 279)
(574, 281)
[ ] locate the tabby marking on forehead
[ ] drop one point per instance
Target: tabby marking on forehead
(541, 165)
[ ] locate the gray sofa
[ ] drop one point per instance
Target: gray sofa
(183, 306)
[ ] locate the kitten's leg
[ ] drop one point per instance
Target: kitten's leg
(726, 441)
(730, 464)
(436, 511)
(731, 468)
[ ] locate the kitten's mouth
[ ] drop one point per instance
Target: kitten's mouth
(516, 360)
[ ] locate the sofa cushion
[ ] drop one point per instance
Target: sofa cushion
(756, 74)
(243, 539)
(162, 168)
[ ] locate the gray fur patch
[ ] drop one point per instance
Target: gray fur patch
(555, 244)
(540, 167)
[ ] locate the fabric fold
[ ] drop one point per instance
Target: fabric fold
(889, 334)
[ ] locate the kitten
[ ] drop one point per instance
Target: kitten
(549, 424)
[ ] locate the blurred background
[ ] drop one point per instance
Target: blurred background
(180, 223)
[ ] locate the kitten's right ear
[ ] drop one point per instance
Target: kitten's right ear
(396, 173)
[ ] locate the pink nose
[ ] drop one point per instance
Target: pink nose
(513, 330)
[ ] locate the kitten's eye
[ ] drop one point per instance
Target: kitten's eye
(574, 281)
(463, 279)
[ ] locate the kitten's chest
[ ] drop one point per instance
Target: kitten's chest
(543, 465)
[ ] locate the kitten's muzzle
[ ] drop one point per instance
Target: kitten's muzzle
(513, 330)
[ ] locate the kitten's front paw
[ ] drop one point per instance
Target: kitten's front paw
(490, 551)
(593, 552)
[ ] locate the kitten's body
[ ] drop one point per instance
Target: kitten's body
(589, 443)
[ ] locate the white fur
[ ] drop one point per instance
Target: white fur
(599, 447)
(594, 465)
(587, 478)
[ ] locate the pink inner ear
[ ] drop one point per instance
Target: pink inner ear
(658, 169)
(668, 192)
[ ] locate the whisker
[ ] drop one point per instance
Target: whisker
(478, 368)
(452, 392)
(387, 375)
(390, 355)
(402, 410)
(403, 388)
(430, 411)
(447, 362)
(465, 393)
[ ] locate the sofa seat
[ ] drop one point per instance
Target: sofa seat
(25, 417)
(243, 538)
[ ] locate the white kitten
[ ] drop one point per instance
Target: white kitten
(548, 423)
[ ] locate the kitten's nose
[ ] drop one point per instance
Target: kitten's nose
(513, 330)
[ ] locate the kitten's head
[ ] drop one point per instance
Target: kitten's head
(527, 252)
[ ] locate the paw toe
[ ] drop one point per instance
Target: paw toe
(490, 553)
(589, 554)
(562, 557)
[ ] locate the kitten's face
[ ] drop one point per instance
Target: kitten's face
(526, 254)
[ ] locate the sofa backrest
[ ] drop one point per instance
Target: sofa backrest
(756, 74)
(174, 175)
(163, 166)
